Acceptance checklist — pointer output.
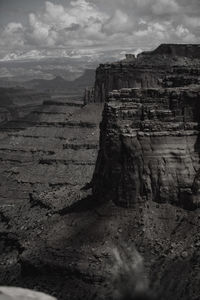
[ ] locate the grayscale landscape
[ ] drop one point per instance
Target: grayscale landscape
(99, 150)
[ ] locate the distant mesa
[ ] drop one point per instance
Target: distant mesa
(169, 65)
(184, 50)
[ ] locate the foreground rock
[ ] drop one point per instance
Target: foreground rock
(11, 293)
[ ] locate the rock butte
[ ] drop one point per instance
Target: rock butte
(149, 147)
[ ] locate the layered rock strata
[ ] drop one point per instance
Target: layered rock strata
(47, 152)
(149, 147)
(166, 66)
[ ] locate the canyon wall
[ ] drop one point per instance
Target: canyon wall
(166, 66)
(149, 147)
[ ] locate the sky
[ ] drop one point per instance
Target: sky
(37, 28)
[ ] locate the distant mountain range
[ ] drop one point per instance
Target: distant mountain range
(87, 79)
(56, 84)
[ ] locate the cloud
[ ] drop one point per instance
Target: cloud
(40, 33)
(103, 25)
(13, 28)
(119, 22)
(163, 7)
(12, 35)
(184, 34)
(78, 24)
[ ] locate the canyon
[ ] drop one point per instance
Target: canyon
(47, 159)
(71, 193)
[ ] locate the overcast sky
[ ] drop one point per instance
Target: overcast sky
(32, 27)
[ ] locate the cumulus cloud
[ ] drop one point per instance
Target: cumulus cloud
(119, 22)
(103, 25)
(80, 23)
(163, 7)
(12, 35)
(40, 33)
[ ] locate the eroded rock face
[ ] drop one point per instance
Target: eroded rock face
(166, 66)
(149, 147)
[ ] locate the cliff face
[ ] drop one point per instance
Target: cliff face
(167, 66)
(149, 147)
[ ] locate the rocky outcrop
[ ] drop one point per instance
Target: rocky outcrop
(5, 115)
(166, 66)
(88, 96)
(149, 147)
